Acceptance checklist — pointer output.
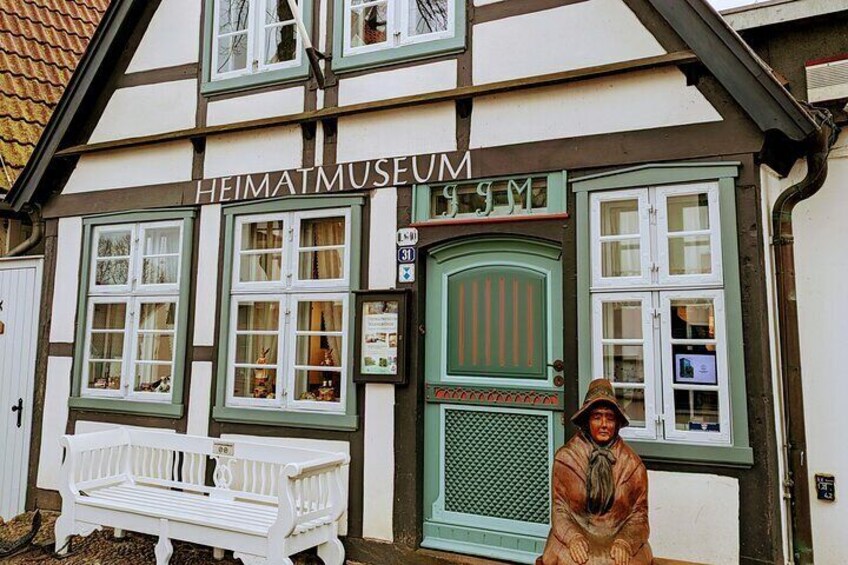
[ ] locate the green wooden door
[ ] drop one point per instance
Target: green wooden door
(492, 412)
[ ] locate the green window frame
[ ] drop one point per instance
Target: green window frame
(738, 451)
(344, 60)
(165, 407)
(345, 418)
(251, 77)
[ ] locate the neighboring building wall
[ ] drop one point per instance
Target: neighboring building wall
(786, 37)
(821, 265)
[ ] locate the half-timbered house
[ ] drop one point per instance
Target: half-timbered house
(557, 190)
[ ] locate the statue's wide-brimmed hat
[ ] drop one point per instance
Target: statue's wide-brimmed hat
(600, 392)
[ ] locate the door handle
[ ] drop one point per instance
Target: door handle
(558, 365)
(19, 408)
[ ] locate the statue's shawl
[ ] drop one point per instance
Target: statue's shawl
(628, 517)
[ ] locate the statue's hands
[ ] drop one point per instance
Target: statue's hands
(620, 552)
(579, 550)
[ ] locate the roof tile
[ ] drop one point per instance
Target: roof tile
(41, 42)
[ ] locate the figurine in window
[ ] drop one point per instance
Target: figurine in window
(600, 491)
(260, 376)
(163, 384)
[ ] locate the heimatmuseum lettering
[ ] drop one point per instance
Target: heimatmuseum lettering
(361, 175)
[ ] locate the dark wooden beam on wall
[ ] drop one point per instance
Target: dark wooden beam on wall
(670, 59)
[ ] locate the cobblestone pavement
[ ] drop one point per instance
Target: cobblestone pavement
(100, 548)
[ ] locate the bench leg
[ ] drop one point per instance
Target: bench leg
(119, 533)
(332, 552)
(62, 531)
(164, 549)
(217, 553)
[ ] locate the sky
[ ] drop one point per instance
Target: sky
(724, 4)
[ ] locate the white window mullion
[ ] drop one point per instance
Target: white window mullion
(130, 349)
(285, 372)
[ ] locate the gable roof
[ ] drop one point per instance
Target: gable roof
(738, 68)
(41, 42)
(745, 76)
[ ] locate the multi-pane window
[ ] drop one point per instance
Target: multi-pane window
(372, 25)
(658, 320)
(252, 36)
(132, 311)
(289, 311)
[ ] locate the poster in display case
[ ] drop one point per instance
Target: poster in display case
(382, 341)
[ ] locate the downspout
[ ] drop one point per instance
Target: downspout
(790, 351)
(34, 238)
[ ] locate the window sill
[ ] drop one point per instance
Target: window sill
(314, 420)
(255, 80)
(707, 455)
(393, 55)
(158, 409)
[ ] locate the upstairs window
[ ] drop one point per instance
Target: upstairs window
(379, 24)
(380, 32)
(253, 36)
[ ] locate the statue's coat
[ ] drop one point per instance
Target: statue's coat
(626, 520)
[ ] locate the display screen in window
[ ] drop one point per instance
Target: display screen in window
(256, 350)
(322, 248)
(319, 351)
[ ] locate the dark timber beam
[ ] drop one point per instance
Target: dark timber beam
(677, 58)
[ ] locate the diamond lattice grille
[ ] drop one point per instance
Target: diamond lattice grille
(496, 465)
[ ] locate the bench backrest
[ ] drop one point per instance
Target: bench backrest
(309, 479)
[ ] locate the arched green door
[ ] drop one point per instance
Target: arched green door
(493, 410)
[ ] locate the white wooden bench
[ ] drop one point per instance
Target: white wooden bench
(265, 503)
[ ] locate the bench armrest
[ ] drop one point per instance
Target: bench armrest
(310, 491)
(93, 458)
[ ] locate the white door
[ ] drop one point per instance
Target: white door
(20, 296)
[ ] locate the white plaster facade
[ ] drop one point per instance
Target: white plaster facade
(573, 29)
(683, 506)
(171, 39)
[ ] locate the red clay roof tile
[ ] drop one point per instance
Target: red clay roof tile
(41, 42)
